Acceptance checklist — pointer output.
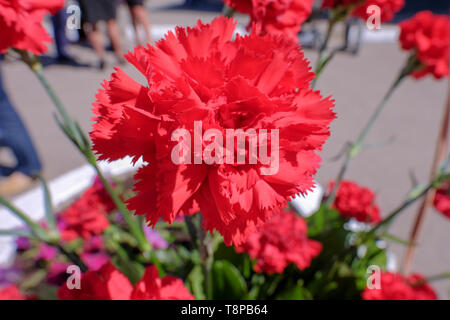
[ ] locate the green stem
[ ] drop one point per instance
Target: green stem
(49, 212)
(40, 234)
(441, 276)
(38, 70)
(81, 143)
(400, 208)
(410, 200)
(321, 60)
(362, 136)
(191, 229)
(18, 233)
(206, 258)
(72, 256)
(135, 229)
(355, 147)
(36, 229)
(445, 275)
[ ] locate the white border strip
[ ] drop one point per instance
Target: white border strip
(62, 190)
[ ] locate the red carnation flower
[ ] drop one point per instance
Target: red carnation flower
(428, 36)
(353, 201)
(394, 286)
(107, 283)
(21, 24)
(152, 287)
(281, 241)
(279, 17)
(87, 216)
(200, 76)
(11, 292)
(358, 8)
(442, 199)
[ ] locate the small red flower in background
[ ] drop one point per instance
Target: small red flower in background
(108, 283)
(199, 73)
(152, 287)
(278, 17)
(11, 292)
(354, 201)
(86, 217)
(280, 241)
(442, 200)
(358, 8)
(394, 286)
(428, 36)
(21, 24)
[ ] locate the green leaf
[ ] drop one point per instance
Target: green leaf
(323, 220)
(239, 260)
(297, 292)
(131, 269)
(228, 283)
(36, 229)
(18, 233)
(48, 205)
(34, 279)
(194, 282)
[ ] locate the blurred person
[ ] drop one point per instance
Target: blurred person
(139, 16)
(94, 11)
(14, 136)
(59, 26)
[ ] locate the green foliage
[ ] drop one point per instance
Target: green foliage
(228, 282)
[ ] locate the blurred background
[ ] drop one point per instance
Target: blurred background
(405, 135)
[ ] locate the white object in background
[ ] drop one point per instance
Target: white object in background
(306, 206)
(62, 190)
(386, 34)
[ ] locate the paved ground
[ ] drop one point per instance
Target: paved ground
(356, 83)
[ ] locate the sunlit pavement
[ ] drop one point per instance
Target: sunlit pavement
(356, 83)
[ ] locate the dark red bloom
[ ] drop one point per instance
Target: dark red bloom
(427, 35)
(152, 287)
(278, 17)
(200, 74)
(358, 8)
(394, 286)
(442, 199)
(354, 201)
(86, 217)
(107, 283)
(21, 24)
(11, 292)
(280, 241)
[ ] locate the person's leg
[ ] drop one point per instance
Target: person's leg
(95, 39)
(14, 136)
(59, 25)
(139, 15)
(114, 35)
